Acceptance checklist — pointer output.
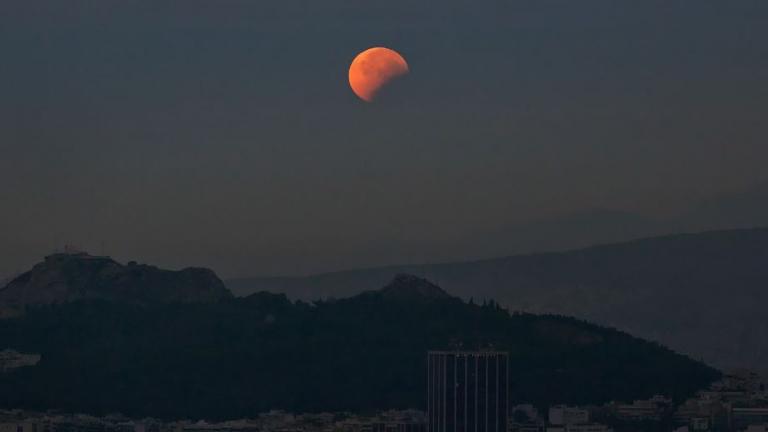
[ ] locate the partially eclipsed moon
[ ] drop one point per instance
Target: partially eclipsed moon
(373, 69)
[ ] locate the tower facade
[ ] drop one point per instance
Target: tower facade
(467, 391)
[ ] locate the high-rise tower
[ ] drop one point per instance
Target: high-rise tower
(467, 391)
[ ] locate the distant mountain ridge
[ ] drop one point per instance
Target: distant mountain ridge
(240, 356)
(66, 277)
(701, 293)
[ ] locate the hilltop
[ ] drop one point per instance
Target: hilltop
(405, 287)
(67, 277)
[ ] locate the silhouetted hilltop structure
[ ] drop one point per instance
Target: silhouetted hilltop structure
(702, 294)
(241, 356)
(66, 277)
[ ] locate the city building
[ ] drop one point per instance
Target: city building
(745, 417)
(467, 391)
(588, 427)
(11, 359)
(649, 409)
(565, 415)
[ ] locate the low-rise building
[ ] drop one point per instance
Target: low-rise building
(588, 427)
(649, 409)
(565, 415)
(745, 417)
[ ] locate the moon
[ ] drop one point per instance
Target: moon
(373, 69)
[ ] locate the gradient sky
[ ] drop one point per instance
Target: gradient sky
(223, 133)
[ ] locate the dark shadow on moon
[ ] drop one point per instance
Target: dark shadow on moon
(400, 90)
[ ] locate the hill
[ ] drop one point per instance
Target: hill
(238, 357)
(67, 277)
(702, 294)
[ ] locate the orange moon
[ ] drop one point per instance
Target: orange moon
(373, 69)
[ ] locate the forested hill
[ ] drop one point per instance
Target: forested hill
(702, 294)
(238, 357)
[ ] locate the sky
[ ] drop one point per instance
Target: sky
(224, 134)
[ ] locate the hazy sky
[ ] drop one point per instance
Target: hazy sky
(223, 133)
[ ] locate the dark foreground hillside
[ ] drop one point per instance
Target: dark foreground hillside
(242, 356)
(701, 294)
